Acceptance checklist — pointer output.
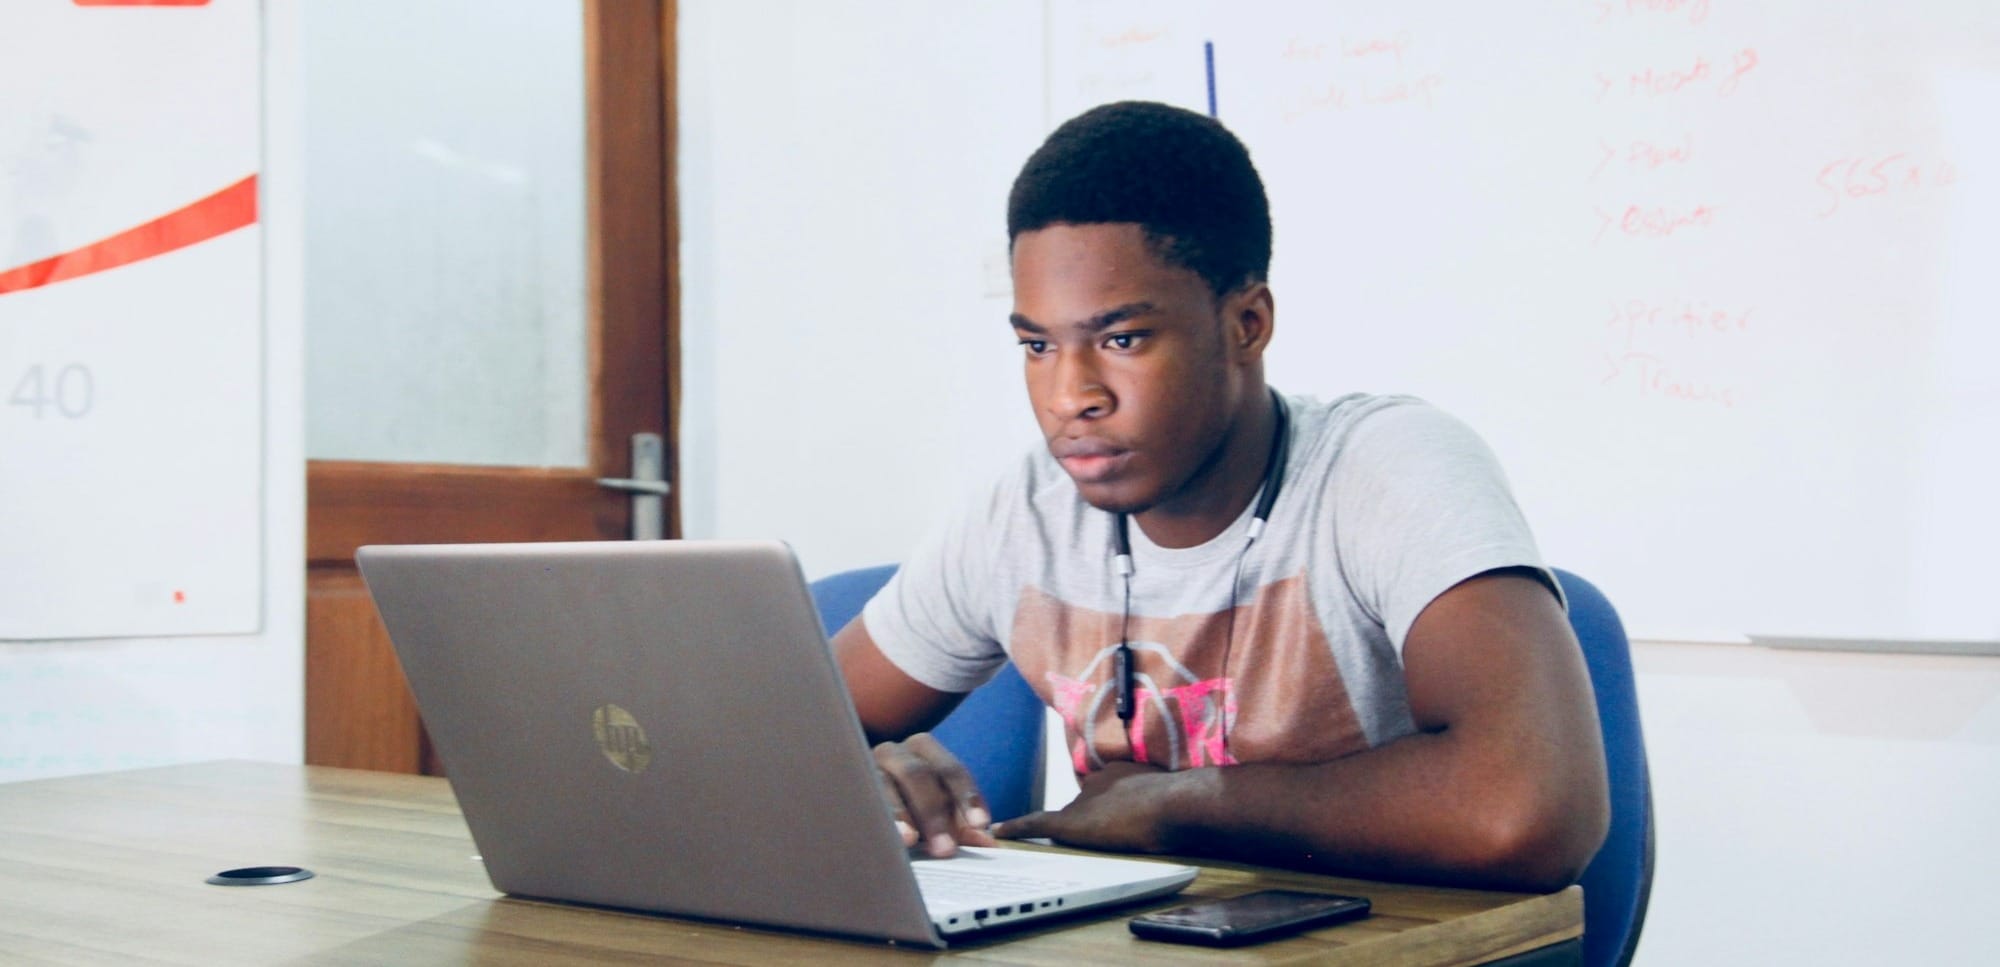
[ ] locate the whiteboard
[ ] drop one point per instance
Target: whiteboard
(131, 377)
(1717, 280)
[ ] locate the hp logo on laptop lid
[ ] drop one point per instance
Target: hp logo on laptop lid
(621, 738)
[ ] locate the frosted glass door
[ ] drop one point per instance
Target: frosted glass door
(446, 254)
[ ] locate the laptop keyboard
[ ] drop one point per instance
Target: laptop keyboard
(944, 884)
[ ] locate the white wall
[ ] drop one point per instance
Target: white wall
(84, 706)
(1821, 808)
(848, 370)
(848, 377)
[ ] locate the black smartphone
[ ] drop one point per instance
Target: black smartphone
(1249, 918)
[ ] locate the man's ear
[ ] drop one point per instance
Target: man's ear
(1249, 314)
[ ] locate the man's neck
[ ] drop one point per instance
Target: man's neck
(1219, 492)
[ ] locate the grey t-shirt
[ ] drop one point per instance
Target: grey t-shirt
(1289, 651)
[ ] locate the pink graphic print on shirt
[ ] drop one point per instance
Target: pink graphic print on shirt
(1281, 698)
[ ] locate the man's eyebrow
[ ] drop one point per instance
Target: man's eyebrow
(1097, 323)
(1026, 324)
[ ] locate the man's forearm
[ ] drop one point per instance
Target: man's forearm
(1417, 808)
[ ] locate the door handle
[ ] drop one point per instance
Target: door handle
(648, 486)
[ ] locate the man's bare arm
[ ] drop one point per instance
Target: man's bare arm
(1502, 786)
(933, 799)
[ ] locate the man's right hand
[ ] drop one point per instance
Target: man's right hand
(927, 789)
(934, 800)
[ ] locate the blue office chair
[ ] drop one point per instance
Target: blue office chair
(1619, 880)
(996, 731)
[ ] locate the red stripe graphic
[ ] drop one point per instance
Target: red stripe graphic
(218, 214)
(140, 3)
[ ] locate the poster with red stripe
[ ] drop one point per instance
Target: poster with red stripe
(131, 331)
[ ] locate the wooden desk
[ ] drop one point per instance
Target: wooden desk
(110, 868)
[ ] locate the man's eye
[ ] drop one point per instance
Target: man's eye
(1123, 340)
(1035, 347)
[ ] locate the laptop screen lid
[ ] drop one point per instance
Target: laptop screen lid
(651, 725)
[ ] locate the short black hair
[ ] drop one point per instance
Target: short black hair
(1180, 176)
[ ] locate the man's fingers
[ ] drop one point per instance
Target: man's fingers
(973, 816)
(1036, 825)
(927, 804)
(968, 836)
(893, 801)
(935, 800)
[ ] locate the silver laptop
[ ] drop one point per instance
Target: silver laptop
(660, 726)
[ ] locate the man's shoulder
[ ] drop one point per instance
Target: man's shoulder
(1368, 446)
(1328, 428)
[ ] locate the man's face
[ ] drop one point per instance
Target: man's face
(1127, 363)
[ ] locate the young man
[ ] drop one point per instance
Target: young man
(1370, 673)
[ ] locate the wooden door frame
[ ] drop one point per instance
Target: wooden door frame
(358, 709)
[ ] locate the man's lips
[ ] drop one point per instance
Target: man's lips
(1089, 461)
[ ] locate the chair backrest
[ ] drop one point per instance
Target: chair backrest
(1619, 880)
(996, 731)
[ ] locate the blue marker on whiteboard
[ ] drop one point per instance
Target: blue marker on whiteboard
(1208, 54)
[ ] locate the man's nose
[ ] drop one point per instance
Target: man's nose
(1079, 392)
